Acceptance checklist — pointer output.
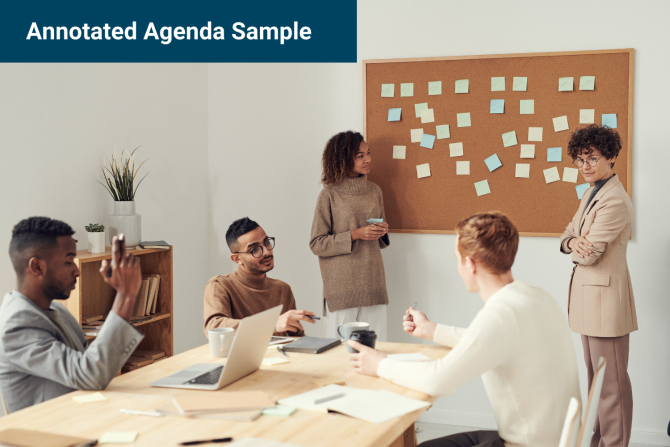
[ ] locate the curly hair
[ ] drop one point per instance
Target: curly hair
(605, 139)
(489, 238)
(338, 156)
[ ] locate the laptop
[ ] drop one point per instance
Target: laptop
(245, 356)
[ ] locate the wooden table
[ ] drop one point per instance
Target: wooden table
(132, 391)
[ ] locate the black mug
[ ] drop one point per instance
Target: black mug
(366, 338)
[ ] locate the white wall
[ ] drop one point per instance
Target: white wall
(57, 121)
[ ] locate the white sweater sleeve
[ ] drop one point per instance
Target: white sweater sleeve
(448, 335)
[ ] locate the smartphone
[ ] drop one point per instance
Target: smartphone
(119, 245)
(375, 220)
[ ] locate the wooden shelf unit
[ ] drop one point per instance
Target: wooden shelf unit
(92, 296)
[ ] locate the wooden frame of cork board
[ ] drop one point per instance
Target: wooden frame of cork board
(435, 204)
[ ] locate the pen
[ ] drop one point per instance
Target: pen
(280, 349)
(326, 399)
(206, 441)
(313, 317)
(142, 413)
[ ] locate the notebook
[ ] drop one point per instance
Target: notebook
(154, 244)
(170, 409)
(18, 437)
(198, 403)
(312, 345)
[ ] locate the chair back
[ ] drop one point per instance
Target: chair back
(572, 424)
(591, 408)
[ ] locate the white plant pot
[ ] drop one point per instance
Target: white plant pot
(126, 221)
(96, 242)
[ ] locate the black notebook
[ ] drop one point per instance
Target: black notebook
(154, 244)
(312, 345)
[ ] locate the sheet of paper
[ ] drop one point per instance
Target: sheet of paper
(275, 361)
(587, 82)
(462, 168)
(306, 400)
(498, 84)
(482, 188)
(566, 84)
(463, 119)
(435, 88)
(555, 154)
(407, 89)
(534, 134)
(381, 407)
(509, 139)
(497, 106)
(427, 116)
(394, 114)
(388, 90)
(581, 189)
(551, 175)
(561, 123)
(527, 151)
(456, 150)
(399, 152)
(118, 437)
(570, 175)
(414, 356)
(493, 162)
(462, 86)
(519, 84)
(587, 116)
(443, 131)
(522, 170)
(419, 107)
(527, 107)
(90, 397)
(609, 120)
(427, 141)
(416, 135)
(423, 170)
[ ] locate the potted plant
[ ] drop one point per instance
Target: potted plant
(119, 176)
(96, 238)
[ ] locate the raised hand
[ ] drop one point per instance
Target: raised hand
(417, 323)
(125, 277)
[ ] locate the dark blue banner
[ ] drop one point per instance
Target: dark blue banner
(178, 31)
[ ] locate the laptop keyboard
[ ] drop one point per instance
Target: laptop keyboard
(208, 378)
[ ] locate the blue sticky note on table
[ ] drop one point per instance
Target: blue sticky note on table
(394, 114)
(554, 154)
(427, 141)
(497, 106)
(609, 120)
(493, 162)
(581, 189)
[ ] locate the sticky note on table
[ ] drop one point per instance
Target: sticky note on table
(498, 84)
(443, 131)
(394, 114)
(463, 119)
(527, 151)
(456, 150)
(493, 162)
(416, 135)
(482, 187)
(566, 84)
(554, 154)
(407, 89)
(587, 82)
(522, 170)
(519, 84)
(570, 175)
(534, 134)
(427, 116)
(423, 170)
(388, 90)
(609, 120)
(527, 107)
(89, 397)
(587, 116)
(561, 123)
(399, 152)
(462, 168)
(419, 107)
(274, 361)
(427, 141)
(462, 86)
(581, 189)
(509, 139)
(279, 410)
(497, 106)
(435, 88)
(118, 437)
(551, 175)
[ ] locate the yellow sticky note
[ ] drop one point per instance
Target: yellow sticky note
(561, 123)
(399, 152)
(407, 89)
(565, 84)
(462, 168)
(587, 82)
(498, 84)
(435, 88)
(91, 397)
(587, 116)
(456, 150)
(522, 170)
(427, 116)
(463, 120)
(519, 84)
(551, 175)
(423, 170)
(118, 437)
(462, 86)
(527, 151)
(388, 90)
(416, 135)
(274, 361)
(570, 175)
(509, 139)
(534, 134)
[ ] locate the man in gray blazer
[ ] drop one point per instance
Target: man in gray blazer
(43, 351)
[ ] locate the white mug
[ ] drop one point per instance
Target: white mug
(220, 340)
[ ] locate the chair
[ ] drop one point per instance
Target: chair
(572, 424)
(592, 405)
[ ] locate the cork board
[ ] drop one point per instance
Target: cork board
(437, 203)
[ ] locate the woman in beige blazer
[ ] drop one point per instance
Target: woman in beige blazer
(600, 305)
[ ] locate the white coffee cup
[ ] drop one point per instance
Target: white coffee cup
(220, 340)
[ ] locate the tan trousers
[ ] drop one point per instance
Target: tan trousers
(615, 409)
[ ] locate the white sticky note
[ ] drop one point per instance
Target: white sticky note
(519, 84)
(423, 170)
(274, 361)
(456, 150)
(570, 175)
(399, 152)
(565, 84)
(561, 123)
(91, 397)
(509, 139)
(443, 131)
(407, 89)
(427, 116)
(416, 135)
(587, 82)
(587, 116)
(534, 134)
(498, 84)
(435, 88)
(462, 168)
(527, 151)
(551, 175)
(388, 90)
(462, 86)
(522, 170)
(118, 437)
(419, 107)
(482, 188)
(463, 120)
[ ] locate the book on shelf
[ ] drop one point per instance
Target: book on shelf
(155, 244)
(141, 301)
(92, 319)
(136, 360)
(153, 293)
(148, 353)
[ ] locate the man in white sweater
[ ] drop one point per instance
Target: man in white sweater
(519, 343)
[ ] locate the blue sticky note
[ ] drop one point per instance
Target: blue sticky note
(497, 106)
(554, 154)
(493, 162)
(394, 114)
(581, 189)
(609, 120)
(427, 141)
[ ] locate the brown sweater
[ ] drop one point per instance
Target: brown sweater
(230, 298)
(352, 272)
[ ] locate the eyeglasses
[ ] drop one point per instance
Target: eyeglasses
(257, 251)
(591, 161)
